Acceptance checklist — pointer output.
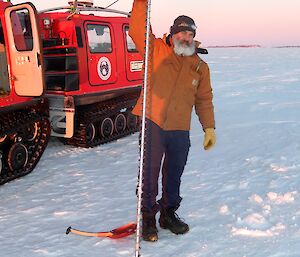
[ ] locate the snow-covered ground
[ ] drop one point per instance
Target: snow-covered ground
(241, 199)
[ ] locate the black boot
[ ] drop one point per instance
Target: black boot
(170, 220)
(149, 230)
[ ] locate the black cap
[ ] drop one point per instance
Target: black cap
(183, 23)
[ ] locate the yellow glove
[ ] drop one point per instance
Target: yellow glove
(209, 138)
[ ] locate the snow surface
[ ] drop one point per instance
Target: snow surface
(241, 199)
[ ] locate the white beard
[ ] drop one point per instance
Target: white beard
(183, 49)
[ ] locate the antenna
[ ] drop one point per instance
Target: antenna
(111, 4)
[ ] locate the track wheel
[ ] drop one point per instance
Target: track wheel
(120, 123)
(2, 139)
(0, 163)
(106, 127)
(131, 121)
(17, 156)
(32, 132)
(90, 132)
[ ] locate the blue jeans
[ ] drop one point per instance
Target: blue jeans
(168, 149)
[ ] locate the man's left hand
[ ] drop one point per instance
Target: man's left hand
(209, 138)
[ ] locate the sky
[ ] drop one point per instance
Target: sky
(240, 199)
(264, 22)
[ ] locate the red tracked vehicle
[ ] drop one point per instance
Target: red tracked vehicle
(24, 125)
(93, 73)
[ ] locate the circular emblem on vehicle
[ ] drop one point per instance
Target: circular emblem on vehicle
(104, 68)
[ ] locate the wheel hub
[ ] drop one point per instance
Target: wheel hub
(107, 127)
(120, 122)
(90, 132)
(31, 132)
(17, 156)
(131, 121)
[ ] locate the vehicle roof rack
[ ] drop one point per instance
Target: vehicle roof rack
(80, 9)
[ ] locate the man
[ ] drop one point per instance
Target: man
(179, 80)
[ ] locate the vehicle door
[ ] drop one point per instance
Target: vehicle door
(24, 50)
(133, 60)
(102, 63)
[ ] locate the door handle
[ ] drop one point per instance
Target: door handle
(38, 57)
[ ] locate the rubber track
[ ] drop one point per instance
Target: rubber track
(95, 114)
(15, 123)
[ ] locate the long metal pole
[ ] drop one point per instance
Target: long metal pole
(140, 184)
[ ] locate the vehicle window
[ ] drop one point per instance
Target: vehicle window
(130, 44)
(4, 82)
(22, 31)
(99, 38)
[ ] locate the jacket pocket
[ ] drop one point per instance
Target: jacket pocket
(192, 82)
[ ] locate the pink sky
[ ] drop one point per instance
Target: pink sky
(220, 22)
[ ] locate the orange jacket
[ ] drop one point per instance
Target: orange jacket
(176, 83)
